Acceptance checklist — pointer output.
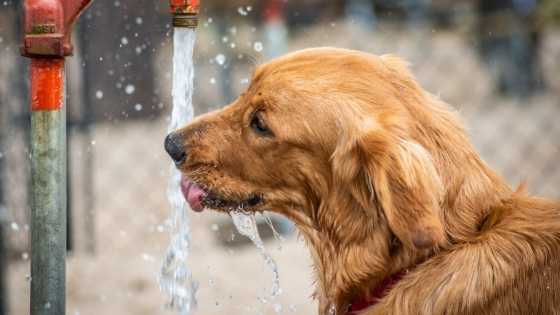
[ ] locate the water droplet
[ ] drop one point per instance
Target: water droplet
(124, 41)
(138, 107)
(212, 80)
(148, 257)
(138, 50)
(242, 11)
(129, 89)
(258, 46)
(99, 94)
(220, 59)
(28, 277)
(215, 227)
(48, 305)
(277, 308)
(211, 282)
(24, 256)
(139, 20)
(14, 226)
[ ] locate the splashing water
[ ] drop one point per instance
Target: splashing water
(176, 279)
(247, 226)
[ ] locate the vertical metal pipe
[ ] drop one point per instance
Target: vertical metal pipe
(3, 251)
(3, 258)
(69, 191)
(86, 126)
(48, 180)
(3, 267)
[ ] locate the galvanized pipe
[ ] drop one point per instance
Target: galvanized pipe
(3, 252)
(86, 126)
(48, 181)
(47, 40)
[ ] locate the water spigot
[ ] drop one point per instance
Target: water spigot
(48, 26)
(185, 12)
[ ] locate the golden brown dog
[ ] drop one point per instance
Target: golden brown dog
(397, 207)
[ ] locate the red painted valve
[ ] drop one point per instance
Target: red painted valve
(48, 26)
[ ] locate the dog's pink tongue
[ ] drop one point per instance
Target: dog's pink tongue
(193, 194)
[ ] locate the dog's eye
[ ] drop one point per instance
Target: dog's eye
(259, 126)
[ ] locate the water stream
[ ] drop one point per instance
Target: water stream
(176, 279)
(247, 226)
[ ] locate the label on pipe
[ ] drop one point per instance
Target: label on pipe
(47, 84)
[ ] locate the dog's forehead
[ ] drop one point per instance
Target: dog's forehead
(318, 84)
(280, 80)
(314, 69)
(291, 64)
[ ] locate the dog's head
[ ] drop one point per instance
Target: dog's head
(327, 137)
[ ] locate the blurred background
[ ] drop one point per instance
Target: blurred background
(495, 61)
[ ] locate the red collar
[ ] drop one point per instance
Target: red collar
(375, 295)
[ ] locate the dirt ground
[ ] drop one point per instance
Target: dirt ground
(520, 139)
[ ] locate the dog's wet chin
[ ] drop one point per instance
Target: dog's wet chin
(199, 198)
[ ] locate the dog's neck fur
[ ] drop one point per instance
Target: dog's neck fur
(348, 267)
(346, 264)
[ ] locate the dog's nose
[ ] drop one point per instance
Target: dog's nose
(175, 148)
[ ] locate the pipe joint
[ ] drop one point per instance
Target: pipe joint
(48, 26)
(185, 12)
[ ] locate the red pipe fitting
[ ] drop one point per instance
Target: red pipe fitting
(47, 84)
(184, 6)
(185, 12)
(48, 26)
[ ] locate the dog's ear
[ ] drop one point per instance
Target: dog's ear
(383, 171)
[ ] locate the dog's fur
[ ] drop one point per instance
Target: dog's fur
(380, 177)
